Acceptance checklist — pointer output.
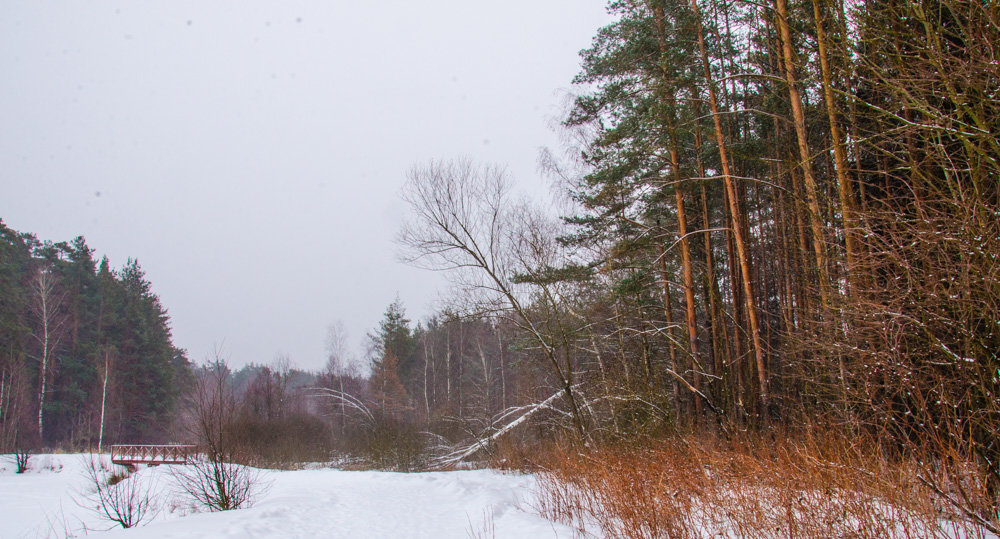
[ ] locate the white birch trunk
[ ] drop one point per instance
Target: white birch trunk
(44, 290)
(104, 396)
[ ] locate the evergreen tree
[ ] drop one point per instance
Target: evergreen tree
(96, 326)
(395, 338)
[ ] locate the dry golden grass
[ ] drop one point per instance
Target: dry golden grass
(763, 487)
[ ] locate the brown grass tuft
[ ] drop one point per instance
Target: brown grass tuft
(761, 487)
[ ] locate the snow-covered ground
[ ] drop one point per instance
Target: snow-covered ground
(47, 500)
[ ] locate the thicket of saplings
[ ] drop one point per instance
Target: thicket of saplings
(274, 417)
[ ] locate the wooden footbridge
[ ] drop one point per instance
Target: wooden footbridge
(152, 455)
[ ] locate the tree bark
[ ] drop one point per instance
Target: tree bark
(805, 159)
(844, 188)
(690, 317)
(104, 398)
(741, 249)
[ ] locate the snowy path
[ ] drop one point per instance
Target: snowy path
(310, 503)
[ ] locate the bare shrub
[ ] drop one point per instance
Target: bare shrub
(118, 494)
(517, 454)
(377, 435)
(21, 457)
(218, 485)
(394, 445)
(217, 479)
(281, 442)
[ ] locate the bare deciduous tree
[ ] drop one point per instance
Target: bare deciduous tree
(496, 250)
(340, 363)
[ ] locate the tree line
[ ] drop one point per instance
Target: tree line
(781, 215)
(86, 356)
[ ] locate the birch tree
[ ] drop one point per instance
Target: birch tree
(49, 332)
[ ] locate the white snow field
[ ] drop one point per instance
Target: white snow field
(46, 501)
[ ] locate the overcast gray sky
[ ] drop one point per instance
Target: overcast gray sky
(250, 154)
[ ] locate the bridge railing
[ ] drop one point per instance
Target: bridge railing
(153, 454)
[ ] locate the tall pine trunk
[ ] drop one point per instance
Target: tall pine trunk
(736, 213)
(844, 189)
(805, 159)
(690, 316)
